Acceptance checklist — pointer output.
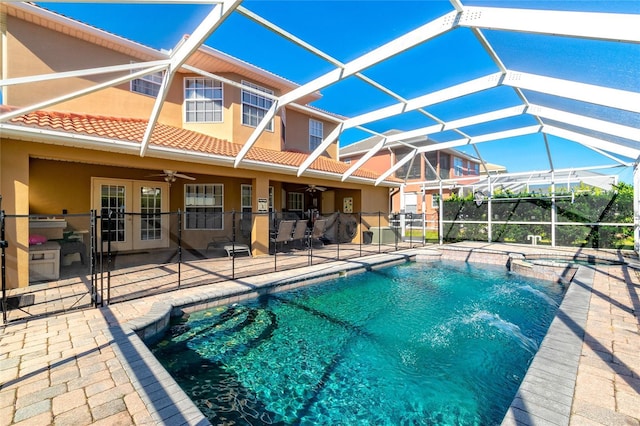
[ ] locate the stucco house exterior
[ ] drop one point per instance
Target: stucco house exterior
(86, 151)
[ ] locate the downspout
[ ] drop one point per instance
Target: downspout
(392, 192)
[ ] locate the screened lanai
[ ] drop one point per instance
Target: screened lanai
(550, 89)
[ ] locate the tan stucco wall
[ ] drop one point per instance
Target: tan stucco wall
(34, 50)
(270, 139)
(14, 188)
(380, 162)
(297, 133)
(37, 178)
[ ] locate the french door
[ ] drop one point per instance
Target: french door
(135, 208)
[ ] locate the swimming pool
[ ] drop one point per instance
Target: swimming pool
(416, 344)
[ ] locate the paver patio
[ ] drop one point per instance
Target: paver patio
(89, 367)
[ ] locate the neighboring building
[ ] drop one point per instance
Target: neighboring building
(84, 153)
(417, 196)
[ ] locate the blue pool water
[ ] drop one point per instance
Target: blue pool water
(431, 344)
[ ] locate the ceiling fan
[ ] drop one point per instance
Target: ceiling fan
(171, 176)
(314, 188)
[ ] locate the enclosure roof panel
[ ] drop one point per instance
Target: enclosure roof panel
(456, 72)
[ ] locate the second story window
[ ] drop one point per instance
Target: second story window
(255, 106)
(410, 169)
(458, 166)
(316, 134)
(203, 100)
(148, 85)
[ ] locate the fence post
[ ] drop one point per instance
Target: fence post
(275, 244)
(179, 247)
(233, 244)
(3, 246)
(338, 236)
(101, 242)
(410, 216)
(361, 231)
(92, 258)
(312, 218)
(379, 230)
(109, 234)
(396, 227)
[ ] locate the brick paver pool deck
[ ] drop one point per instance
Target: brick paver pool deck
(90, 367)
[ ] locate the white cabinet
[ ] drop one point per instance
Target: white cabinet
(44, 261)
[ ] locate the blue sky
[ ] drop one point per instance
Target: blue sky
(348, 29)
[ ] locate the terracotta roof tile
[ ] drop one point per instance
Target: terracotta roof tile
(132, 130)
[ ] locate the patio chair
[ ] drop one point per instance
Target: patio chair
(283, 235)
(300, 232)
(317, 232)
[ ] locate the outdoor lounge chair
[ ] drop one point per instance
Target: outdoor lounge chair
(300, 232)
(317, 232)
(230, 247)
(283, 235)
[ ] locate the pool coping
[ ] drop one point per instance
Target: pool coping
(545, 395)
(166, 402)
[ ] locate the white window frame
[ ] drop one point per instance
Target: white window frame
(295, 201)
(150, 80)
(435, 201)
(316, 133)
(200, 92)
(458, 166)
(256, 101)
(246, 208)
(207, 196)
(271, 198)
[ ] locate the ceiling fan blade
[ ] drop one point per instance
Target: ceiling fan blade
(321, 188)
(180, 175)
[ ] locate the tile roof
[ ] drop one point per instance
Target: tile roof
(132, 130)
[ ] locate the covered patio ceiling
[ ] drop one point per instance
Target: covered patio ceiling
(531, 72)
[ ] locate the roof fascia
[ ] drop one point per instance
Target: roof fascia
(316, 112)
(54, 137)
(279, 81)
(31, 8)
(589, 25)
